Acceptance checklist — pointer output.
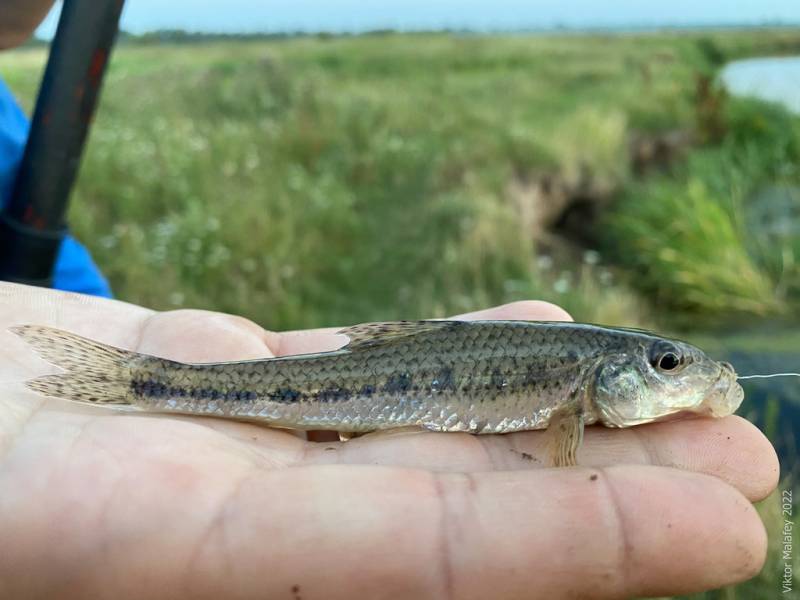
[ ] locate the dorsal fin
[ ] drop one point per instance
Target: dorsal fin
(368, 335)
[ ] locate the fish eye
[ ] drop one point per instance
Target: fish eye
(666, 358)
(668, 361)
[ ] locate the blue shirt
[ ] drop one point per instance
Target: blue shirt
(74, 270)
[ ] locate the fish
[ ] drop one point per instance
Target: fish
(480, 377)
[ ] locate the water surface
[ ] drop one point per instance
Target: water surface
(772, 79)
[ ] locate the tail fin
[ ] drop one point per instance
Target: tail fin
(96, 373)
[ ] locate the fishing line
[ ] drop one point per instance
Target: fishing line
(768, 376)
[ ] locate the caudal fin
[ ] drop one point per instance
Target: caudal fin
(95, 373)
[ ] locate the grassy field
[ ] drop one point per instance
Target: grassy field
(318, 181)
(321, 181)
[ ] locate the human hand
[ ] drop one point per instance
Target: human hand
(101, 504)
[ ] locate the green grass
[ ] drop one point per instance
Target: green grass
(317, 181)
(704, 241)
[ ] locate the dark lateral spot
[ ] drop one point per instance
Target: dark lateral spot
(532, 376)
(593, 477)
(241, 395)
(572, 356)
(333, 395)
(498, 381)
(367, 390)
(285, 395)
(444, 380)
(526, 456)
(152, 389)
(398, 384)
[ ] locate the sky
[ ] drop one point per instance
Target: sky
(361, 15)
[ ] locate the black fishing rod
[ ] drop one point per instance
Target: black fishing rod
(32, 225)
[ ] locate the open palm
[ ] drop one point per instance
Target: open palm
(101, 504)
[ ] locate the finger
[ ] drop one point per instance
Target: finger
(323, 340)
(311, 340)
(524, 310)
(503, 535)
(199, 336)
(731, 449)
(340, 532)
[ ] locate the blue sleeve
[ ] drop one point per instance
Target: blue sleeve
(74, 270)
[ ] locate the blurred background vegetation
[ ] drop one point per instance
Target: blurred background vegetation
(322, 180)
(328, 180)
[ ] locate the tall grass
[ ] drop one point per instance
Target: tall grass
(704, 240)
(319, 181)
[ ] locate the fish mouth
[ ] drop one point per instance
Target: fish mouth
(725, 395)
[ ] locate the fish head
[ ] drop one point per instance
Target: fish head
(663, 379)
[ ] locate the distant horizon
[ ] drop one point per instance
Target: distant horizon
(474, 16)
(554, 29)
(545, 31)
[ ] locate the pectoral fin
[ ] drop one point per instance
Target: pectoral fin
(566, 430)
